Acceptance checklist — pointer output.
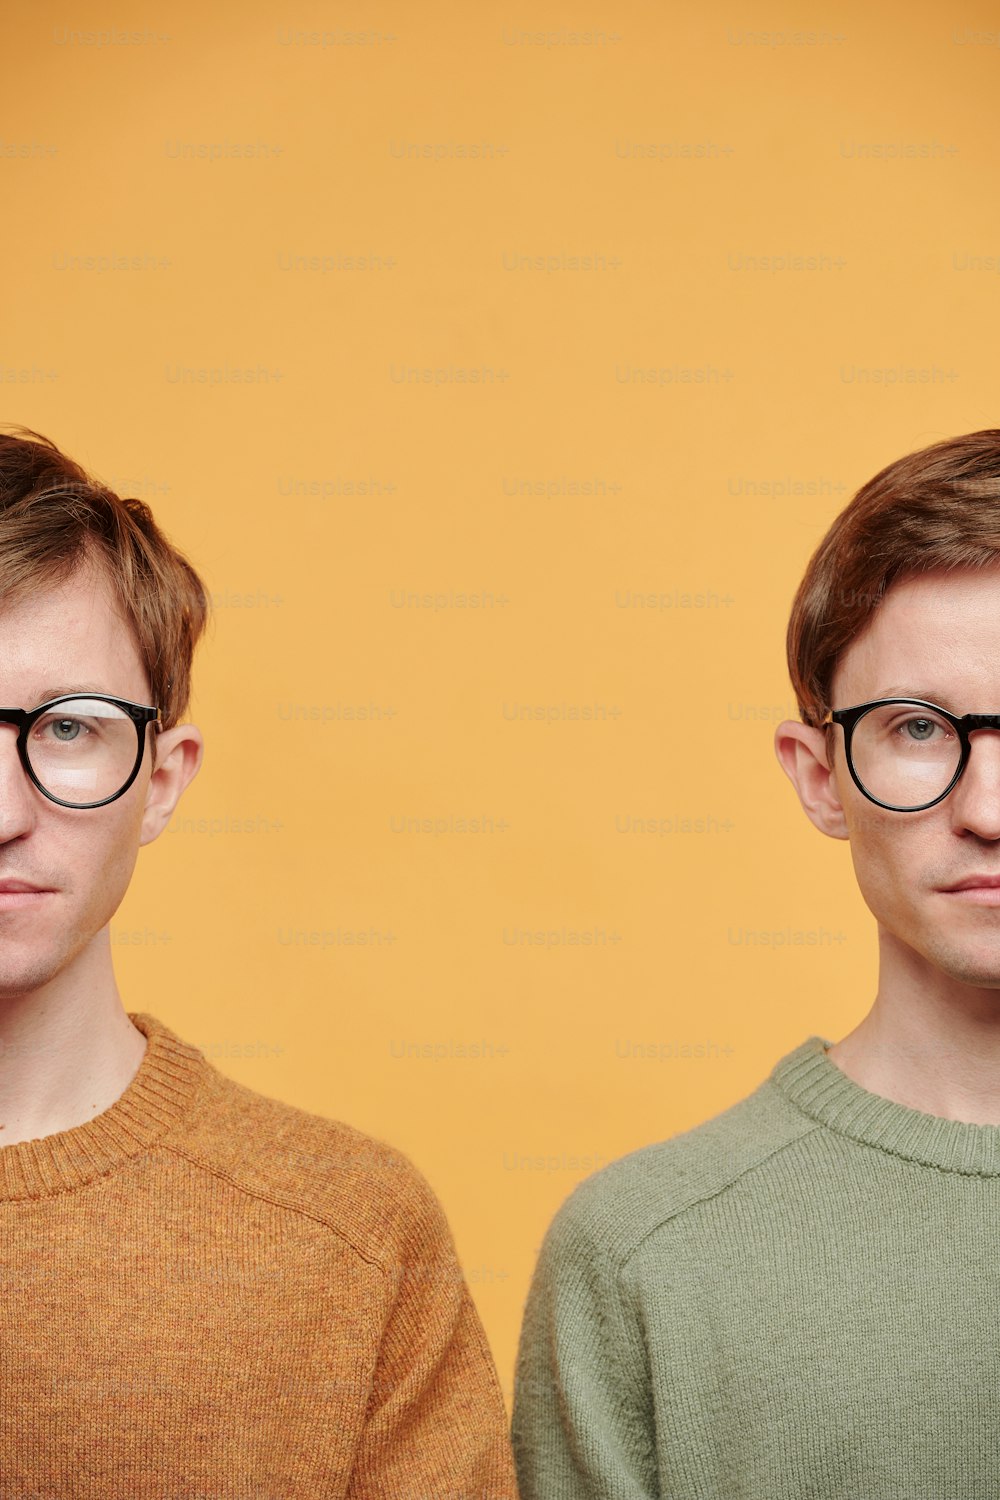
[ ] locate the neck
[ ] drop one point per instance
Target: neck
(930, 1041)
(67, 1049)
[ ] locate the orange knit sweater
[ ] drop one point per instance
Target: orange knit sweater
(211, 1295)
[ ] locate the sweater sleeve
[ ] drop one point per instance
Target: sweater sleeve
(583, 1424)
(436, 1426)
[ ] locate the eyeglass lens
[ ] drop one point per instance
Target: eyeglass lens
(83, 751)
(905, 754)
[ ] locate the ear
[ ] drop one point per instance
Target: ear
(801, 752)
(178, 755)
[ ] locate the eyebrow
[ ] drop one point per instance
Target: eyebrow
(941, 699)
(77, 689)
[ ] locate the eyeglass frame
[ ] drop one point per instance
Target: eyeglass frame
(963, 724)
(140, 714)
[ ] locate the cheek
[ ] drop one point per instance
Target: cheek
(123, 840)
(888, 860)
(100, 857)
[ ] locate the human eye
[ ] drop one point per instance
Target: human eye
(922, 729)
(63, 729)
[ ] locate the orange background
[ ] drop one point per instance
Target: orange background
(499, 367)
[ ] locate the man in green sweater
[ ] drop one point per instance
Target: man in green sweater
(801, 1297)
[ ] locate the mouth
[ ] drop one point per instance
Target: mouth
(15, 894)
(976, 890)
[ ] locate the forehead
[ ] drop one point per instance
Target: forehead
(68, 635)
(935, 635)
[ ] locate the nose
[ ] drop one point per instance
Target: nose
(17, 795)
(976, 799)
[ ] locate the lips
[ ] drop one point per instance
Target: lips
(971, 882)
(15, 887)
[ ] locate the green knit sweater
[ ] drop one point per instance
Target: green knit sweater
(799, 1297)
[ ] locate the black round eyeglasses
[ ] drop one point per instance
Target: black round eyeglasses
(81, 749)
(906, 754)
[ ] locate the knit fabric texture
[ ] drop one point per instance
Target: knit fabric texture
(797, 1298)
(211, 1295)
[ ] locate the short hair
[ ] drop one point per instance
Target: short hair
(54, 517)
(937, 508)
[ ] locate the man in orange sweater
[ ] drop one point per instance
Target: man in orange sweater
(206, 1292)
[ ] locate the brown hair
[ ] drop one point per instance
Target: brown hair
(936, 508)
(55, 517)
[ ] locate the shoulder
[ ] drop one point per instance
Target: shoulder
(613, 1211)
(364, 1189)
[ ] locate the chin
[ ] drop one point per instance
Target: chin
(976, 966)
(21, 978)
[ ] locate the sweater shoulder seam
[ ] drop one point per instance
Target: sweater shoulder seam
(278, 1201)
(709, 1194)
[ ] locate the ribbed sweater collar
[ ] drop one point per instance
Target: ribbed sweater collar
(814, 1083)
(162, 1090)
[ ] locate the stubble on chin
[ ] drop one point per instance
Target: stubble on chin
(974, 961)
(19, 975)
(30, 961)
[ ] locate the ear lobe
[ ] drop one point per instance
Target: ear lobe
(802, 754)
(178, 755)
